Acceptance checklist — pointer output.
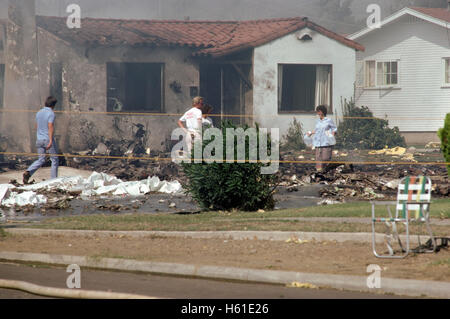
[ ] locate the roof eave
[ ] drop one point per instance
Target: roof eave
(343, 40)
(398, 15)
(337, 37)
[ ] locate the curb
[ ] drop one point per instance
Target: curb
(404, 287)
(232, 235)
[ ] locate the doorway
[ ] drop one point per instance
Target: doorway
(224, 87)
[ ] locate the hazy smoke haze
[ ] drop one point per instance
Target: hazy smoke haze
(344, 16)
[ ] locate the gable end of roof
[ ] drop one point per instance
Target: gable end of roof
(438, 16)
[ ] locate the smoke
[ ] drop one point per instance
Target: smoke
(343, 16)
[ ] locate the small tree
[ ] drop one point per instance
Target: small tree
(226, 186)
(444, 135)
(293, 140)
(372, 133)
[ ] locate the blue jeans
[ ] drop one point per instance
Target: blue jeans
(41, 148)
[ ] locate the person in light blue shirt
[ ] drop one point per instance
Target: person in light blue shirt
(45, 141)
(323, 139)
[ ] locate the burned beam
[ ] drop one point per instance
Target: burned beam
(242, 75)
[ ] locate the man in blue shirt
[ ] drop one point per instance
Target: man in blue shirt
(45, 141)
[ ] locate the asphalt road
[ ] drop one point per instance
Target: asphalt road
(163, 286)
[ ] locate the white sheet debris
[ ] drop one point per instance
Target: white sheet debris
(393, 184)
(64, 183)
(24, 199)
(328, 202)
(170, 188)
(4, 189)
(102, 179)
(96, 184)
(155, 185)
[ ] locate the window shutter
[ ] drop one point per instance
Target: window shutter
(359, 80)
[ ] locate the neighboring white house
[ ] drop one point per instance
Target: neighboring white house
(404, 74)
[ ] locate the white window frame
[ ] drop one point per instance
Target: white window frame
(446, 73)
(376, 86)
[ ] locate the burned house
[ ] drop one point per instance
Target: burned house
(110, 74)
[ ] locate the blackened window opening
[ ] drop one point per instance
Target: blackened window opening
(135, 87)
(56, 82)
(302, 87)
(2, 83)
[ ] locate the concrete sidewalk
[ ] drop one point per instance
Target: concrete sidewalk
(356, 283)
(356, 220)
(232, 235)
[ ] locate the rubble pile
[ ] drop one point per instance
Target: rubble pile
(128, 160)
(360, 182)
(157, 164)
(297, 169)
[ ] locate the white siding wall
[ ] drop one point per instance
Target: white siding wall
(421, 102)
(289, 50)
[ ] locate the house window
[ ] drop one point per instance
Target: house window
(447, 71)
(2, 83)
(302, 87)
(383, 73)
(135, 87)
(370, 73)
(56, 81)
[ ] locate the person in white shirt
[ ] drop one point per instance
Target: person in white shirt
(193, 120)
(206, 120)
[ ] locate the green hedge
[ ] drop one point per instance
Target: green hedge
(227, 186)
(293, 140)
(372, 133)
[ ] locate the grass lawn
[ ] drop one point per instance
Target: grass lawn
(280, 220)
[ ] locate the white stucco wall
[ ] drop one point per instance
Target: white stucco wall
(420, 102)
(289, 50)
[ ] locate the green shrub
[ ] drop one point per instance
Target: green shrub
(293, 140)
(226, 186)
(444, 135)
(371, 133)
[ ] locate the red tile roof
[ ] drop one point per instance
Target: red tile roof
(438, 13)
(215, 38)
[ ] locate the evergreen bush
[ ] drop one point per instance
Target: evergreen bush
(372, 133)
(293, 140)
(227, 186)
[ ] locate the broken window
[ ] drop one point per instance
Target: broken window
(302, 87)
(135, 87)
(56, 81)
(2, 83)
(224, 87)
